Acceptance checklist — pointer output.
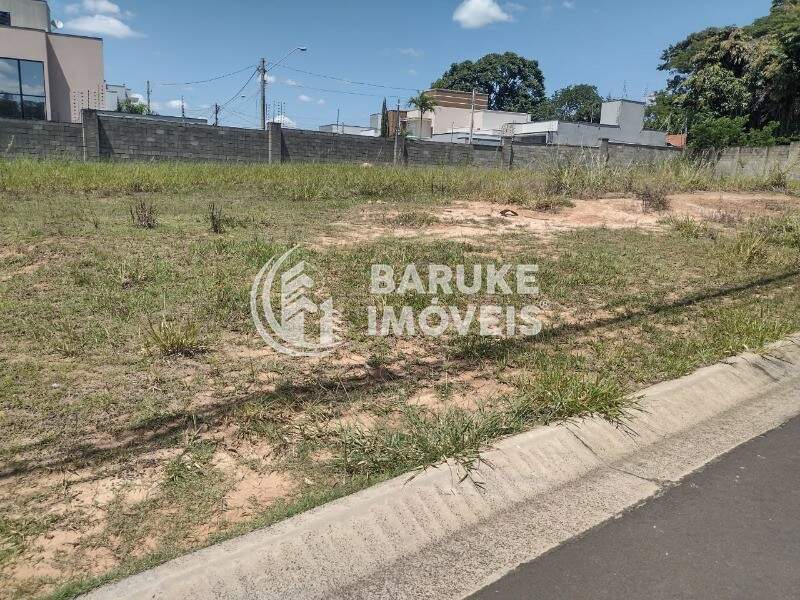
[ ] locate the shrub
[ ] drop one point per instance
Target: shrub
(215, 218)
(653, 196)
(175, 338)
(143, 214)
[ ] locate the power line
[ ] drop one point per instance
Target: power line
(237, 94)
(231, 74)
(349, 81)
(308, 87)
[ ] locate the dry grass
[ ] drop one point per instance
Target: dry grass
(141, 417)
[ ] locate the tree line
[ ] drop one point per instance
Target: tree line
(727, 86)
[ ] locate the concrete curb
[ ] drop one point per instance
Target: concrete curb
(433, 537)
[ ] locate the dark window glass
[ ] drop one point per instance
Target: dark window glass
(5, 18)
(9, 75)
(32, 77)
(10, 106)
(33, 107)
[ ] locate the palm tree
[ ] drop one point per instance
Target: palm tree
(424, 104)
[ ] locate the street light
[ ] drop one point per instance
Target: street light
(263, 71)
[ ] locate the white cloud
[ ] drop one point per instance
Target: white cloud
(472, 14)
(175, 104)
(320, 101)
(101, 25)
(412, 72)
(304, 98)
(271, 78)
(570, 4)
(96, 7)
(514, 7)
(291, 82)
(285, 121)
(413, 52)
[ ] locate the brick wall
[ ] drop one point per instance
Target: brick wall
(628, 154)
(41, 139)
(300, 145)
(106, 137)
(757, 162)
(142, 139)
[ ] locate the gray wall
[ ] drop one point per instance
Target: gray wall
(755, 162)
(41, 139)
(103, 136)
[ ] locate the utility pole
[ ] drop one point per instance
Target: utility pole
(472, 117)
(216, 115)
(183, 109)
(337, 122)
(262, 72)
(397, 131)
(149, 112)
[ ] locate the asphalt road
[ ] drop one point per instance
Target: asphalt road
(728, 532)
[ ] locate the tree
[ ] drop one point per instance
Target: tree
(384, 120)
(132, 106)
(579, 103)
(731, 72)
(513, 83)
(424, 104)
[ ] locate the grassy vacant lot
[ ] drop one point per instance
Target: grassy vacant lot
(141, 416)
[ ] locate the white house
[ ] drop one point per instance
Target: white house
(621, 121)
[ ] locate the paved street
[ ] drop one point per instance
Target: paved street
(728, 532)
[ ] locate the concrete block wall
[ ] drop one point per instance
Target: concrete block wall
(758, 162)
(107, 137)
(143, 139)
(41, 139)
(532, 157)
(628, 154)
(321, 147)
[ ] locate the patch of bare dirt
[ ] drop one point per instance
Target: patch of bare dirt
(466, 220)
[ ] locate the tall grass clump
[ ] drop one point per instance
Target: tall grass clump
(180, 337)
(215, 218)
(653, 195)
(143, 214)
(579, 176)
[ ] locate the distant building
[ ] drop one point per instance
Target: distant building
(375, 120)
(621, 121)
(454, 114)
(46, 75)
(350, 129)
(677, 140)
(115, 95)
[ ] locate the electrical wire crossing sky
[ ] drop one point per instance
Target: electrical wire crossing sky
(197, 56)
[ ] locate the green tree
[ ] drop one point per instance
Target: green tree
(424, 104)
(579, 103)
(709, 132)
(751, 72)
(132, 106)
(384, 120)
(665, 114)
(513, 83)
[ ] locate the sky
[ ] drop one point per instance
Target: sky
(396, 47)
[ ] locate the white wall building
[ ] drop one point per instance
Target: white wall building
(116, 94)
(341, 128)
(621, 121)
(446, 119)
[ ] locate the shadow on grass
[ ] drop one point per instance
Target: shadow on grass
(148, 436)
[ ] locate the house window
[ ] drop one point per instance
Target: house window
(5, 18)
(22, 93)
